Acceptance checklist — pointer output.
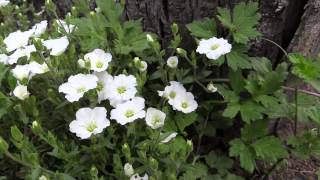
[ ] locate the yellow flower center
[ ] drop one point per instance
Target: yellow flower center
(155, 120)
(121, 89)
(91, 127)
(81, 89)
(172, 94)
(184, 105)
(214, 47)
(129, 113)
(99, 64)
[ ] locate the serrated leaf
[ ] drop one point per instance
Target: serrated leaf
(231, 111)
(251, 111)
(243, 21)
(254, 130)
(270, 149)
(237, 59)
(244, 152)
(184, 120)
(205, 28)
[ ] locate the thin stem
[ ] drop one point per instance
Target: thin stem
(301, 91)
(296, 111)
(284, 51)
(12, 157)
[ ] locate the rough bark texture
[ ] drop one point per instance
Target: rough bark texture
(307, 37)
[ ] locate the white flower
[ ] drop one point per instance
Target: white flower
(21, 92)
(122, 88)
(155, 118)
(4, 3)
(27, 71)
(143, 66)
(129, 111)
(64, 27)
(212, 88)
(22, 72)
(128, 169)
(16, 40)
(81, 63)
(173, 91)
(138, 177)
(104, 81)
(150, 38)
(77, 85)
(169, 138)
(172, 62)
(21, 52)
(43, 177)
(4, 59)
(185, 103)
(99, 60)
(37, 68)
(57, 46)
(39, 28)
(214, 47)
(89, 122)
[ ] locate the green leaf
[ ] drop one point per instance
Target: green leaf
(5, 103)
(236, 81)
(307, 69)
(251, 111)
(16, 133)
(254, 130)
(246, 154)
(232, 110)
(270, 149)
(184, 120)
(219, 162)
(3, 145)
(111, 9)
(305, 145)
(196, 171)
(242, 25)
(205, 28)
(237, 59)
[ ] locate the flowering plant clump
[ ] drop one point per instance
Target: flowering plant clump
(90, 96)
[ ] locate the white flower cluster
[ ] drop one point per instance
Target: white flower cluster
(17, 46)
(119, 90)
(179, 98)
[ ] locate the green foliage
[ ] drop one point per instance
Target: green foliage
(242, 21)
(205, 28)
(306, 69)
(227, 127)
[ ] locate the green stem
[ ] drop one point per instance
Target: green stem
(12, 157)
(296, 111)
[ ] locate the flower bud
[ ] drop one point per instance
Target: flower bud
(181, 52)
(154, 163)
(172, 62)
(212, 88)
(136, 60)
(36, 128)
(43, 177)
(21, 92)
(94, 171)
(175, 28)
(3, 145)
(92, 13)
(150, 38)
(81, 63)
(128, 169)
(143, 66)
